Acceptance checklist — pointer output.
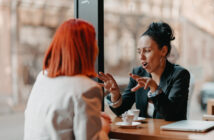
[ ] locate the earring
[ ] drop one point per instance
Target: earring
(161, 61)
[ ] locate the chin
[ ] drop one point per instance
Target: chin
(148, 70)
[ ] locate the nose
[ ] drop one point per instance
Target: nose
(142, 56)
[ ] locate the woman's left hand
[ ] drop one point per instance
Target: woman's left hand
(144, 82)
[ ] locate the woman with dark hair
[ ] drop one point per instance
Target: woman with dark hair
(158, 87)
(65, 103)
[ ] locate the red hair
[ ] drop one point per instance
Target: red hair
(72, 51)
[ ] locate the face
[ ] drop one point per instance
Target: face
(150, 54)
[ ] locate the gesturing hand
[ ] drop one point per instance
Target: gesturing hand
(109, 84)
(144, 82)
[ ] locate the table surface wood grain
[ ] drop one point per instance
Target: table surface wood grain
(150, 130)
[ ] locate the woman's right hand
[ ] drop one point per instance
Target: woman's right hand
(110, 85)
(106, 121)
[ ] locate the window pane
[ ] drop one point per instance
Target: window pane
(26, 29)
(126, 20)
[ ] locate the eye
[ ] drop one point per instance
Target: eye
(139, 51)
(147, 50)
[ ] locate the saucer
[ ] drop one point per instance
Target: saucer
(125, 125)
(139, 119)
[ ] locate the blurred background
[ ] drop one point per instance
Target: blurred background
(27, 27)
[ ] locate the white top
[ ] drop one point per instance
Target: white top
(64, 108)
(150, 109)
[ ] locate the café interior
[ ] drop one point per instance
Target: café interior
(119, 25)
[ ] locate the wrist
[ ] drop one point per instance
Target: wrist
(114, 97)
(153, 89)
(117, 102)
(154, 93)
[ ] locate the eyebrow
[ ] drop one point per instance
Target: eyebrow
(144, 48)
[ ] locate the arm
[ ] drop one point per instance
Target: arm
(79, 118)
(87, 122)
(173, 103)
(128, 99)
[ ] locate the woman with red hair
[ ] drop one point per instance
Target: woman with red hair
(65, 103)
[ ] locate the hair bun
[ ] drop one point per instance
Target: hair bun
(162, 33)
(166, 31)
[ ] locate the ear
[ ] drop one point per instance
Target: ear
(164, 51)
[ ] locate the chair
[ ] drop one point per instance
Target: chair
(210, 107)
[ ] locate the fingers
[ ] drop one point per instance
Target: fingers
(114, 85)
(138, 78)
(105, 125)
(147, 83)
(101, 84)
(110, 77)
(102, 76)
(136, 88)
(142, 82)
(106, 117)
(105, 77)
(109, 83)
(135, 77)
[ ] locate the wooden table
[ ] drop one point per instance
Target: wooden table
(150, 130)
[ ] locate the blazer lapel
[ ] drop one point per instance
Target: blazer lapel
(143, 92)
(166, 76)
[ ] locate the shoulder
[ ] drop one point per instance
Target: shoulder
(71, 86)
(180, 71)
(83, 80)
(83, 83)
(86, 92)
(79, 90)
(85, 87)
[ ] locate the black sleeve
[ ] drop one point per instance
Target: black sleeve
(173, 103)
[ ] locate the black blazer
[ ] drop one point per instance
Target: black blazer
(170, 105)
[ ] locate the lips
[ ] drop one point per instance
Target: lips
(144, 65)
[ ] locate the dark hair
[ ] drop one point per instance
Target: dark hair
(161, 33)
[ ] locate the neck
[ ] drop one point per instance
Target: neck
(156, 75)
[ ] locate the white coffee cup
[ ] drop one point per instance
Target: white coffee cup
(128, 118)
(136, 113)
